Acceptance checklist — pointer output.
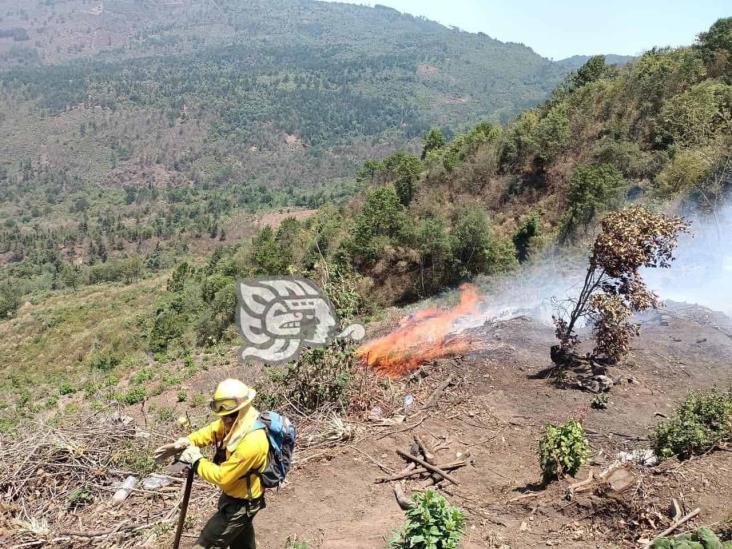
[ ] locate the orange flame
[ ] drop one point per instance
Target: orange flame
(423, 336)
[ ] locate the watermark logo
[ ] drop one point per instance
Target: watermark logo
(277, 317)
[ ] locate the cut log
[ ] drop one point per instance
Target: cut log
(428, 466)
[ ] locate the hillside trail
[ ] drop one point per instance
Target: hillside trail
(497, 411)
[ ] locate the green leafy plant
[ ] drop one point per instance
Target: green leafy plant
(80, 497)
(104, 360)
(563, 449)
(599, 402)
(133, 396)
(432, 523)
(319, 377)
(702, 421)
(65, 388)
(703, 538)
(294, 543)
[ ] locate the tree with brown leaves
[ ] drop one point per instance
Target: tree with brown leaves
(613, 287)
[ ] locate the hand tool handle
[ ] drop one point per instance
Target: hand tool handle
(183, 508)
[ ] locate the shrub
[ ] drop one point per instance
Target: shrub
(703, 420)
(693, 117)
(433, 140)
(168, 325)
(144, 375)
(104, 360)
(703, 538)
(628, 157)
(613, 287)
(563, 449)
(134, 396)
(80, 497)
(520, 142)
(599, 402)
(528, 230)
(593, 188)
(381, 221)
(9, 300)
(66, 388)
(432, 523)
(135, 459)
(553, 133)
(687, 169)
(166, 414)
(319, 377)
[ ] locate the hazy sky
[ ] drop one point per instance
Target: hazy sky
(561, 28)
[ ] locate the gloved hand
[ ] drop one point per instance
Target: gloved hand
(190, 455)
(173, 449)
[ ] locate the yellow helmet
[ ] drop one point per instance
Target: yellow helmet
(231, 395)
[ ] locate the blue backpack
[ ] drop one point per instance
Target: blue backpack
(281, 435)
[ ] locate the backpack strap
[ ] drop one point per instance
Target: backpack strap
(247, 476)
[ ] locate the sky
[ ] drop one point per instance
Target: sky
(562, 28)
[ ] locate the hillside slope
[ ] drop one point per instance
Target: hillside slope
(262, 81)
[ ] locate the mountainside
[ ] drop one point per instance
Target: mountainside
(290, 82)
(127, 218)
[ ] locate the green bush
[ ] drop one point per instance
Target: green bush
(432, 523)
(66, 388)
(168, 325)
(528, 230)
(687, 169)
(703, 538)
(693, 118)
(629, 158)
(134, 396)
(563, 449)
(432, 141)
(703, 420)
(104, 360)
(475, 249)
(553, 133)
(381, 222)
(593, 188)
(80, 497)
(144, 375)
(319, 377)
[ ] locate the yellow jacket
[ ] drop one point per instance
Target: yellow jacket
(233, 475)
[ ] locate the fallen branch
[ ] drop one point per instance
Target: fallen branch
(428, 466)
(524, 496)
(675, 525)
(375, 462)
(421, 471)
(582, 485)
(406, 428)
(437, 393)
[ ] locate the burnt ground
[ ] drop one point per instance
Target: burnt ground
(496, 411)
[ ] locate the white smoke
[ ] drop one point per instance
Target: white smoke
(702, 272)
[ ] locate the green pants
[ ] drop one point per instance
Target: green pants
(231, 526)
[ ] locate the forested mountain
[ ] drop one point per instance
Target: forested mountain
(130, 126)
(258, 79)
